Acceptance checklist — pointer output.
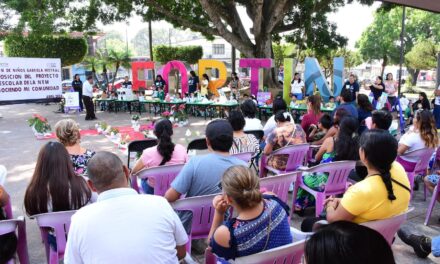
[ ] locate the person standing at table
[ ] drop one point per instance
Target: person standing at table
(127, 83)
(297, 87)
(87, 95)
(77, 85)
(193, 82)
(159, 83)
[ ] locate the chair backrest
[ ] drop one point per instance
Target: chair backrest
(163, 177)
(17, 226)
(288, 254)
(139, 146)
(202, 213)
(388, 227)
(337, 175)
(198, 144)
(297, 154)
(3, 174)
(279, 184)
(244, 156)
(60, 223)
(423, 156)
(259, 134)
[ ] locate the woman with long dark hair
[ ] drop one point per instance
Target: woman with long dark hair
(278, 105)
(77, 85)
(343, 146)
(384, 193)
(313, 113)
(249, 110)
(297, 86)
(365, 109)
(55, 186)
(165, 153)
(204, 85)
(422, 103)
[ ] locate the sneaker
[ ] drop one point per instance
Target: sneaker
(420, 244)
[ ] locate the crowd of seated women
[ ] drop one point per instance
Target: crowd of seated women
(381, 191)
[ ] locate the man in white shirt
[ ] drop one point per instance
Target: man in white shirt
(123, 226)
(87, 95)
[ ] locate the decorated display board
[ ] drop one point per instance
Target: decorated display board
(29, 79)
(262, 97)
(71, 99)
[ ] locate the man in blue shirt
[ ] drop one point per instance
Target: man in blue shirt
(353, 86)
(346, 104)
(193, 82)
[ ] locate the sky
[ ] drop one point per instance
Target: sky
(351, 20)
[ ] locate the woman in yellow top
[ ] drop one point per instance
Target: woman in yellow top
(384, 193)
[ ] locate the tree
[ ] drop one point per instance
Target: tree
(92, 63)
(189, 54)
(270, 19)
(140, 42)
(423, 56)
(118, 59)
(378, 41)
(69, 50)
(5, 18)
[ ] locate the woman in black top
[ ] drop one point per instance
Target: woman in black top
(77, 87)
(159, 83)
(422, 103)
(377, 87)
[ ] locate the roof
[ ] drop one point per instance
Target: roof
(428, 5)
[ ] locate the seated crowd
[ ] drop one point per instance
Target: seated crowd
(110, 214)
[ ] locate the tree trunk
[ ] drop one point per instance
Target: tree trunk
(414, 74)
(384, 64)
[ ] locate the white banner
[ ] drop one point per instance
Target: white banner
(29, 79)
(72, 99)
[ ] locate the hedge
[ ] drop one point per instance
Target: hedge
(189, 54)
(69, 50)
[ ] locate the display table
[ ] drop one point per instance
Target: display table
(191, 107)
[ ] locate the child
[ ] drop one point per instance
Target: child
(331, 102)
(293, 101)
(318, 132)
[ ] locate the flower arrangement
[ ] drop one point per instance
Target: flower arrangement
(166, 115)
(101, 127)
(180, 115)
(39, 124)
(135, 117)
(125, 139)
(114, 130)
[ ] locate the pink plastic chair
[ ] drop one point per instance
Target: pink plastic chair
(59, 222)
(162, 175)
(435, 194)
(423, 156)
(18, 226)
(336, 183)
(202, 215)
(297, 155)
(288, 254)
(388, 227)
(279, 184)
(244, 156)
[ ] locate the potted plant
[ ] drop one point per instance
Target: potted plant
(166, 115)
(114, 132)
(180, 115)
(40, 126)
(101, 127)
(125, 139)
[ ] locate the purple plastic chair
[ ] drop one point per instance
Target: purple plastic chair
(288, 254)
(423, 156)
(244, 156)
(8, 210)
(202, 215)
(59, 222)
(388, 227)
(336, 183)
(297, 155)
(279, 184)
(18, 226)
(435, 194)
(162, 175)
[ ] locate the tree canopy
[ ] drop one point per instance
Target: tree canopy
(423, 55)
(189, 54)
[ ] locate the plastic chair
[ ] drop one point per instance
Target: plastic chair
(18, 226)
(202, 215)
(259, 134)
(60, 223)
(197, 144)
(139, 146)
(296, 153)
(336, 183)
(244, 156)
(423, 156)
(388, 227)
(162, 175)
(279, 184)
(287, 254)
(435, 194)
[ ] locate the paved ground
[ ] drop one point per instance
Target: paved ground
(19, 150)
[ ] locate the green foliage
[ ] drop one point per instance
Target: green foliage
(281, 51)
(69, 50)
(423, 55)
(189, 54)
(40, 123)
